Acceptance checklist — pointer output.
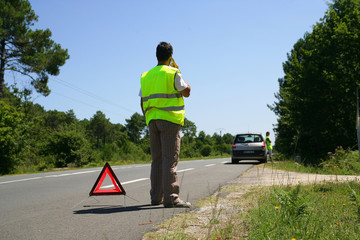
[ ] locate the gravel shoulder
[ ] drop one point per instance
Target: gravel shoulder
(265, 176)
(219, 210)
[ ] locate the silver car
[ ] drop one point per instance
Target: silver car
(249, 146)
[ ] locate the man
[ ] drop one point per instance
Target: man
(269, 146)
(162, 91)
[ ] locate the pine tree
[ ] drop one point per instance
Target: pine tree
(24, 50)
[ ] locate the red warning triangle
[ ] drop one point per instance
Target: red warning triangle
(117, 190)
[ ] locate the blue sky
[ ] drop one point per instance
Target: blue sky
(230, 51)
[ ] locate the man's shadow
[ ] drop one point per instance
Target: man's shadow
(108, 209)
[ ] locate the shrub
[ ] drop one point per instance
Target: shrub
(206, 150)
(11, 131)
(69, 147)
(342, 162)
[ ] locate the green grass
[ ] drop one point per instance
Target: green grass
(319, 211)
(289, 165)
(326, 210)
(342, 162)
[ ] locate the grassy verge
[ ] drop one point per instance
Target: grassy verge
(289, 165)
(326, 210)
(220, 216)
(342, 162)
(318, 211)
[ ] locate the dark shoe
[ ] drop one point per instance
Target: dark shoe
(156, 203)
(180, 204)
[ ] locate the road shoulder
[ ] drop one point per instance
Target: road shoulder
(229, 202)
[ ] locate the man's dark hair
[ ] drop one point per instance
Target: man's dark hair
(163, 51)
(267, 133)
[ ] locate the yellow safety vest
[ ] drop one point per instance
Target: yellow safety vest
(268, 143)
(160, 98)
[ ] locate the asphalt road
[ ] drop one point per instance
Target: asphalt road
(57, 205)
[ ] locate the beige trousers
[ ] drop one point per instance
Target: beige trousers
(165, 151)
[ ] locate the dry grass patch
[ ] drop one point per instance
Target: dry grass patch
(220, 216)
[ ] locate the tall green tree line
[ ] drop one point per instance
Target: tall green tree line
(32, 138)
(316, 102)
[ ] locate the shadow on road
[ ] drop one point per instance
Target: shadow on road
(255, 162)
(108, 209)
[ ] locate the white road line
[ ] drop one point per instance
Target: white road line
(61, 175)
(142, 179)
(49, 176)
(21, 180)
(76, 173)
(132, 181)
(225, 162)
(210, 165)
(184, 170)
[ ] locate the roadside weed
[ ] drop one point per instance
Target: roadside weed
(319, 211)
(341, 162)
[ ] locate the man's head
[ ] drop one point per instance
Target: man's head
(164, 51)
(267, 133)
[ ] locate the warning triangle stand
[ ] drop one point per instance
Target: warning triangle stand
(117, 190)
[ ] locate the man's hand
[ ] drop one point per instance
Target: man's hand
(173, 63)
(186, 91)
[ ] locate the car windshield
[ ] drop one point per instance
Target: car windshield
(248, 138)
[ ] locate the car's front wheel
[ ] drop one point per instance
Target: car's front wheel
(233, 161)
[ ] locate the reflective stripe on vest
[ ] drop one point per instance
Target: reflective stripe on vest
(160, 98)
(167, 108)
(162, 95)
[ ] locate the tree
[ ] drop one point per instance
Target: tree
(56, 120)
(206, 150)
(98, 126)
(228, 138)
(316, 105)
(69, 147)
(29, 52)
(11, 131)
(189, 129)
(204, 139)
(116, 131)
(135, 127)
(222, 143)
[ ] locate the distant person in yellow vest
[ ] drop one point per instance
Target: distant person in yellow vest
(162, 91)
(269, 146)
